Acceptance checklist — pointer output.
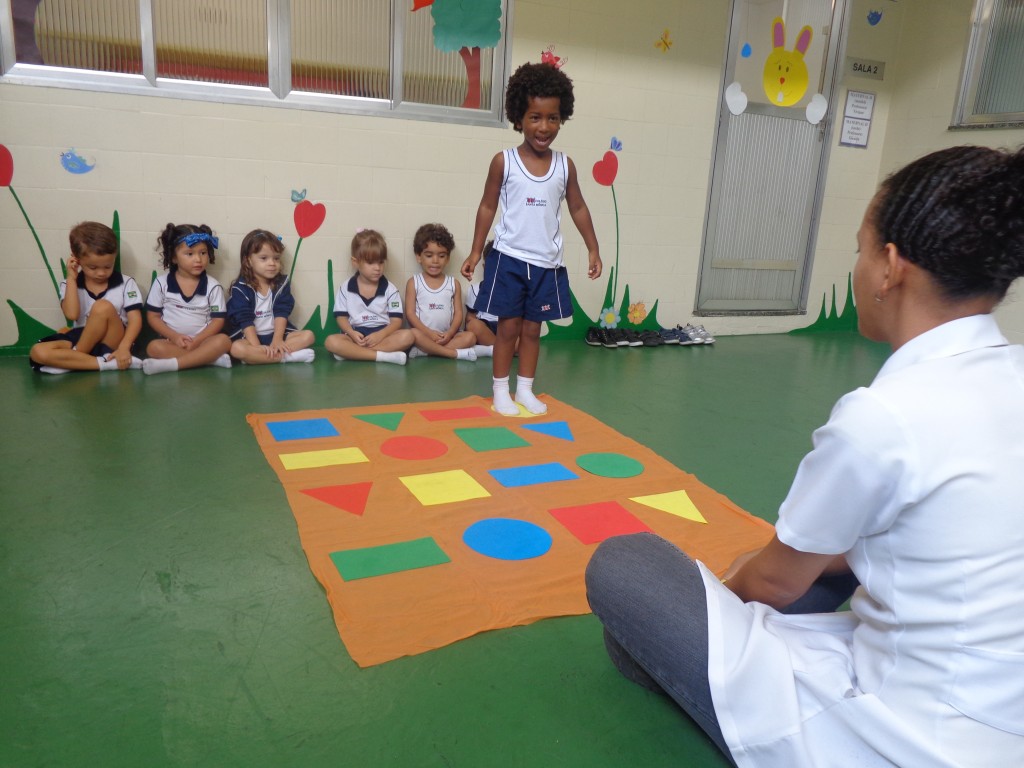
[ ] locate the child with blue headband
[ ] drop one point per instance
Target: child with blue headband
(186, 306)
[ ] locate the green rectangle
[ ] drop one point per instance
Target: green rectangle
(363, 563)
(490, 438)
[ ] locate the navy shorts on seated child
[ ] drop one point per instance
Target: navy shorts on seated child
(513, 288)
(73, 335)
(366, 330)
(266, 338)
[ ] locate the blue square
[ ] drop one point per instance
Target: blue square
(534, 474)
(301, 429)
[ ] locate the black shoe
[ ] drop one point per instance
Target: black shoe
(651, 338)
(608, 338)
(593, 337)
(632, 337)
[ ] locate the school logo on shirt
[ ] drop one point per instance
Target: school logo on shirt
(546, 308)
(434, 305)
(394, 304)
(536, 202)
(132, 295)
(214, 308)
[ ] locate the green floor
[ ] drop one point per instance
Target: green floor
(157, 609)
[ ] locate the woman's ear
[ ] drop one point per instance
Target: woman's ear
(895, 268)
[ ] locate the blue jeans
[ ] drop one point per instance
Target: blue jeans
(649, 595)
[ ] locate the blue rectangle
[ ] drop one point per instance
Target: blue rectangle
(532, 475)
(301, 429)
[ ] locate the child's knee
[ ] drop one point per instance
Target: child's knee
(102, 310)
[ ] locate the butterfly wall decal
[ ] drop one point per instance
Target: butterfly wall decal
(664, 42)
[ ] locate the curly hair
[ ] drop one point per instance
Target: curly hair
(959, 214)
(432, 233)
(370, 246)
(167, 241)
(92, 237)
(251, 244)
(537, 81)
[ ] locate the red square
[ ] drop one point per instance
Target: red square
(593, 523)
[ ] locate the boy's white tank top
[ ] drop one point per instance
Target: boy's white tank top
(529, 227)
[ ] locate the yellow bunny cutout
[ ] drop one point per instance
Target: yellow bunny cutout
(785, 73)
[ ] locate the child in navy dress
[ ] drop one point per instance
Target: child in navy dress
(259, 305)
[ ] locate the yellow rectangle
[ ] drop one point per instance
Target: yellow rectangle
(444, 487)
(328, 458)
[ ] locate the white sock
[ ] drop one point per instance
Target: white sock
(465, 354)
(525, 396)
(135, 364)
(416, 352)
(483, 350)
(398, 358)
(106, 365)
(53, 369)
(299, 356)
(224, 361)
(339, 358)
(153, 365)
(502, 400)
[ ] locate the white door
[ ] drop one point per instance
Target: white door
(768, 167)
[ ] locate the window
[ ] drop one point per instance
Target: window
(425, 59)
(992, 86)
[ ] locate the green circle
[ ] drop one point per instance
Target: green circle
(609, 465)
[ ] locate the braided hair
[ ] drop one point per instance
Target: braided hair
(959, 214)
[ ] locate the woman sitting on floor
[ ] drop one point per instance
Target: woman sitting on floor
(915, 486)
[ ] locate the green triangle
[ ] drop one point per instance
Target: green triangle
(386, 420)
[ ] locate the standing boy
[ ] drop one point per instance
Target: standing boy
(525, 281)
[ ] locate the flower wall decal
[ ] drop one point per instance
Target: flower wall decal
(308, 217)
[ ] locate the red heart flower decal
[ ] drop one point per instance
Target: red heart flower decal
(605, 169)
(6, 166)
(308, 217)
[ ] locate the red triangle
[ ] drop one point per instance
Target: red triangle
(351, 498)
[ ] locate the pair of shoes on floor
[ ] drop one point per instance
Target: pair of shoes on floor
(600, 337)
(651, 338)
(697, 334)
(671, 335)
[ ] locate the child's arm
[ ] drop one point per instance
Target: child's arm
(410, 312)
(215, 326)
(156, 322)
(373, 339)
(485, 214)
(277, 347)
(123, 353)
(581, 218)
(457, 312)
(345, 326)
(69, 304)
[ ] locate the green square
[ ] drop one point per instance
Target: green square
(363, 563)
(490, 438)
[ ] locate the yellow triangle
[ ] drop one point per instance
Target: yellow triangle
(674, 502)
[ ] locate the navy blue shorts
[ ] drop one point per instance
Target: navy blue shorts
(73, 335)
(513, 288)
(266, 338)
(366, 330)
(492, 324)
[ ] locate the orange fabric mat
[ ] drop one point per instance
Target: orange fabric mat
(419, 476)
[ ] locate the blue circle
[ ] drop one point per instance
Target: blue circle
(506, 539)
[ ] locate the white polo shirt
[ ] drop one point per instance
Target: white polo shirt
(186, 314)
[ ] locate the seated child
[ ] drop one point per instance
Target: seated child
(106, 307)
(481, 324)
(368, 308)
(186, 306)
(259, 304)
(433, 300)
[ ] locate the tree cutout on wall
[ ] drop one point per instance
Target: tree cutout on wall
(465, 26)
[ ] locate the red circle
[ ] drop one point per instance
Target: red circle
(413, 447)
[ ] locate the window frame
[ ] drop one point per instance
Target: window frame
(964, 116)
(279, 93)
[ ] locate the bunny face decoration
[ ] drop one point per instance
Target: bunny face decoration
(785, 73)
